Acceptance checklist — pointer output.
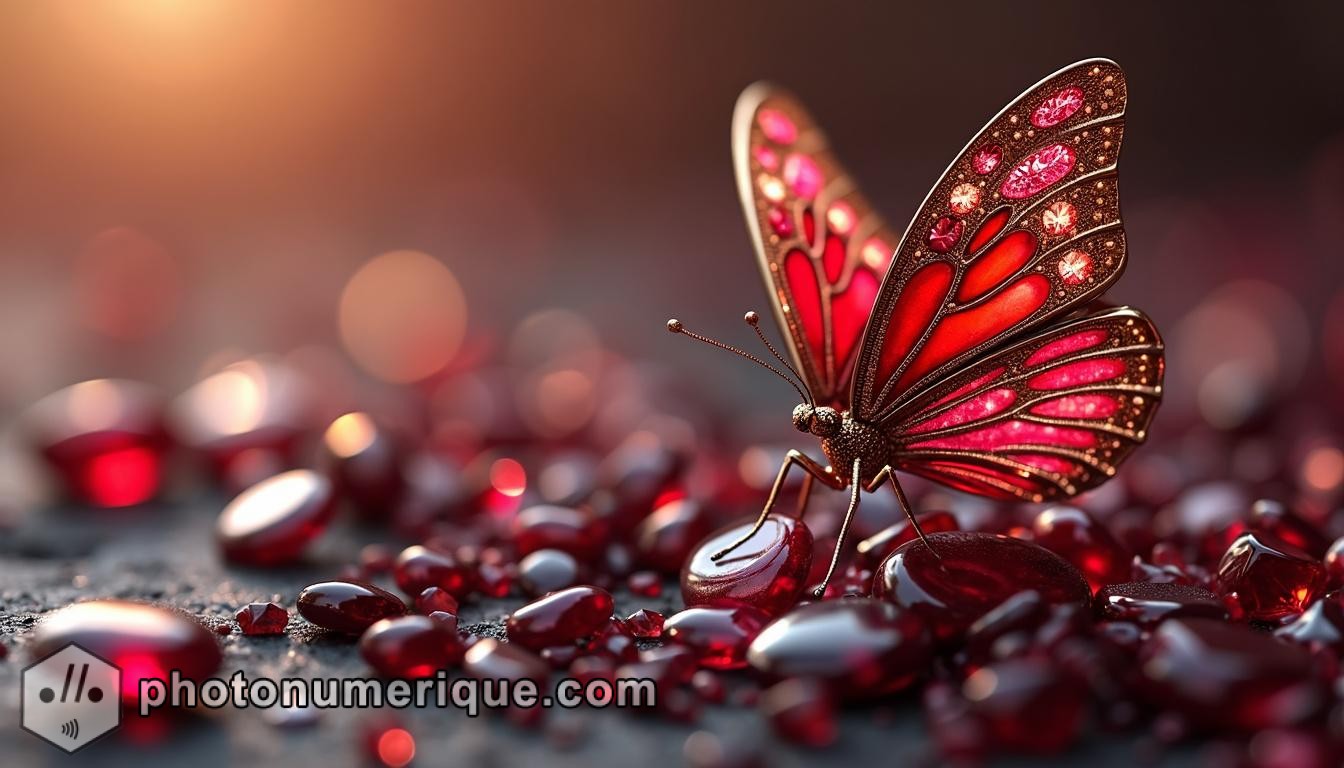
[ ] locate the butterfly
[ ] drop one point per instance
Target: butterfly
(971, 351)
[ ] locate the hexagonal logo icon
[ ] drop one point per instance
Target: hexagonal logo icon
(71, 698)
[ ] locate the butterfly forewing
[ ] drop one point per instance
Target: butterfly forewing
(1050, 416)
(821, 247)
(1023, 226)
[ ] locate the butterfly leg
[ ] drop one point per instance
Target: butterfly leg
(813, 470)
(855, 486)
(886, 474)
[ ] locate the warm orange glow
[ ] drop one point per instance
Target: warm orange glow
(350, 434)
(1323, 469)
(396, 747)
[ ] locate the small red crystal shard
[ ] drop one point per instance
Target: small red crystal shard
(347, 606)
(418, 568)
(646, 624)
(767, 572)
(1038, 172)
(1271, 580)
(1014, 698)
(801, 711)
(262, 619)
(410, 647)
(718, 636)
(987, 158)
(1077, 537)
(1148, 603)
(272, 522)
(944, 234)
(560, 617)
(1057, 108)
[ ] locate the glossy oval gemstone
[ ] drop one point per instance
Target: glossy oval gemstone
(801, 711)
(560, 617)
(410, 647)
(273, 522)
(349, 607)
(490, 659)
(1230, 676)
(262, 619)
(862, 648)
(1147, 603)
(718, 636)
(1038, 172)
(666, 538)
(547, 570)
(547, 526)
(143, 640)
(1027, 705)
(104, 439)
(418, 568)
(972, 573)
(433, 600)
(768, 572)
(873, 550)
(364, 463)
(1270, 580)
(777, 126)
(1079, 538)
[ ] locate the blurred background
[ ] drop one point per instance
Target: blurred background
(399, 185)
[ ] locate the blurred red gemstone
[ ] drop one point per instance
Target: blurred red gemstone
(1282, 524)
(547, 570)
(861, 648)
(491, 659)
(1270, 580)
(547, 526)
(967, 574)
(780, 221)
(646, 624)
(644, 584)
(410, 647)
(347, 606)
(447, 619)
(718, 636)
(1334, 564)
(873, 550)
(1027, 704)
(1079, 538)
(1147, 603)
(560, 617)
(708, 686)
(640, 470)
(103, 438)
(1007, 629)
(1320, 627)
(494, 580)
(364, 463)
(666, 538)
(262, 619)
(145, 641)
(801, 711)
(433, 599)
(273, 522)
(418, 568)
(768, 571)
(615, 640)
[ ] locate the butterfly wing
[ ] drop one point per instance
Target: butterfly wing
(821, 247)
(1023, 226)
(1047, 417)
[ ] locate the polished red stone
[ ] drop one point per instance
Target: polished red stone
(262, 619)
(708, 686)
(944, 234)
(273, 522)
(1007, 629)
(434, 599)
(560, 617)
(718, 636)
(635, 475)
(546, 526)
(862, 648)
(1334, 564)
(972, 573)
(410, 647)
(1229, 676)
(1321, 626)
(646, 624)
(1079, 538)
(490, 659)
(1027, 705)
(1147, 603)
(448, 620)
(667, 537)
(547, 570)
(801, 711)
(615, 640)
(418, 568)
(987, 158)
(494, 580)
(768, 572)
(347, 606)
(104, 439)
(364, 463)
(1282, 524)
(1038, 172)
(644, 584)
(1270, 580)
(873, 550)
(145, 641)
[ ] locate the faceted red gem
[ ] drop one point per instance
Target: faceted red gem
(347, 606)
(967, 574)
(490, 659)
(1229, 676)
(546, 526)
(364, 463)
(1074, 267)
(646, 624)
(873, 550)
(1148, 603)
(1077, 537)
(987, 158)
(410, 647)
(418, 568)
(861, 648)
(272, 522)
(645, 584)
(780, 220)
(616, 640)
(801, 711)
(944, 234)
(560, 617)
(1015, 699)
(1038, 172)
(666, 538)
(145, 641)
(1271, 580)
(104, 439)
(1057, 108)
(433, 599)
(768, 571)
(547, 570)
(718, 636)
(262, 619)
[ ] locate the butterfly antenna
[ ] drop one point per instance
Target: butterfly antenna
(754, 320)
(675, 326)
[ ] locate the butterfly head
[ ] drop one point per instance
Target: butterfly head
(822, 421)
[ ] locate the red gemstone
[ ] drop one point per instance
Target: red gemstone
(433, 599)
(364, 463)
(1074, 267)
(1057, 108)
(1017, 698)
(272, 522)
(347, 606)
(768, 572)
(547, 570)
(668, 536)
(410, 647)
(145, 641)
(645, 584)
(873, 550)
(546, 526)
(780, 221)
(987, 158)
(1229, 676)
(1270, 581)
(103, 438)
(490, 659)
(1273, 518)
(1320, 627)
(262, 619)
(718, 636)
(1007, 629)
(861, 648)
(646, 624)
(1334, 564)
(560, 617)
(494, 580)
(1148, 603)
(616, 640)
(972, 573)
(803, 175)
(801, 711)
(418, 568)
(1077, 537)
(777, 126)
(1038, 172)
(944, 234)
(448, 620)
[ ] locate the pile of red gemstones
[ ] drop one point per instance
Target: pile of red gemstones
(1170, 604)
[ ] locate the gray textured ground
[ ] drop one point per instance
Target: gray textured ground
(165, 554)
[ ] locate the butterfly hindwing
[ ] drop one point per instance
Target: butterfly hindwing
(821, 247)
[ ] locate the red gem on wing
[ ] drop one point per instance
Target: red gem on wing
(944, 234)
(981, 406)
(1078, 407)
(987, 158)
(1076, 342)
(1010, 433)
(1057, 108)
(777, 126)
(996, 265)
(1038, 172)
(803, 176)
(911, 313)
(833, 259)
(780, 221)
(850, 311)
(802, 278)
(991, 226)
(1078, 374)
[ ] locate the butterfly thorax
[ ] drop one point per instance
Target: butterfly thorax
(857, 440)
